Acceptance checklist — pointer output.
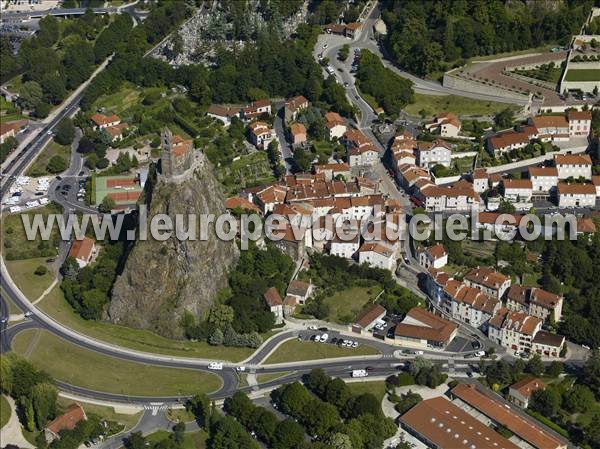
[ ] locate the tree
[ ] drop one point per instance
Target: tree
(365, 403)
(31, 95)
(220, 315)
(199, 405)
(216, 338)
(319, 417)
(107, 205)
(64, 132)
(339, 440)
(56, 164)
(40, 270)
(44, 398)
(535, 365)
(344, 52)
(504, 119)
(288, 434)
(546, 402)
(135, 441)
(579, 399)
(26, 408)
(317, 381)
(554, 369)
(292, 398)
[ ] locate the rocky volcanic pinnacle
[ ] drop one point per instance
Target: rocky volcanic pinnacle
(162, 279)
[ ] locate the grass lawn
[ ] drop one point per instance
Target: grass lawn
(107, 413)
(296, 351)
(583, 75)
(180, 414)
(192, 440)
(434, 104)
(542, 49)
(482, 248)
(371, 101)
(455, 270)
(344, 306)
(119, 101)
(464, 164)
(92, 370)
(16, 246)
(38, 168)
(263, 378)
(376, 387)
(57, 307)
(22, 273)
(8, 111)
(14, 84)
(531, 279)
(4, 411)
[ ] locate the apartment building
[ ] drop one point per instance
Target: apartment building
(435, 256)
(517, 190)
(573, 166)
(576, 195)
(543, 179)
(514, 330)
(430, 154)
(488, 281)
(580, 123)
(535, 301)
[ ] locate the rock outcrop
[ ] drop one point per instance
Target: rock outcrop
(161, 279)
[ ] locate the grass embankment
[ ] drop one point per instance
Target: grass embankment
(38, 168)
(92, 370)
(376, 388)
(193, 440)
(107, 413)
(4, 411)
(8, 111)
(344, 306)
(263, 378)
(583, 75)
(431, 105)
(31, 284)
(297, 351)
(180, 415)
(57, 307)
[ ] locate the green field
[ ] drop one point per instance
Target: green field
(16, 246)
(4, 411)
(376, 388)
(435, 104)
(92, 370)
(22, 273)
(107, 413)
(38, 168)
(180, 414)
(344, 306)
(57, 307)
(192, 440)
(583, 75)
(296, 351)
(120, 101)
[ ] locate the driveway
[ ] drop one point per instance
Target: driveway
(12, 432)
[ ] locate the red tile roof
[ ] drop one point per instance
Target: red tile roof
(370, 314)
(576, 189)
(82, 249)
(572, 159)
(272, 297)
(67, 420)
(528, 385)
(101, 119)
(433, 328)
(450, 427)
(242, 203)
(524, 428)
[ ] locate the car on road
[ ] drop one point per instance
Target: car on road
(27, 314)
(419, 352)
(312, 328)
(59, 177)
(479, 354)
(346, 84)
(215, 366)
(476, 344)
(241, 368)
(4, 320)
(81, 173)
(406, 260)
(325, 45)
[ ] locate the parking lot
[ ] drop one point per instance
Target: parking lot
(332, 337)
(463, 344)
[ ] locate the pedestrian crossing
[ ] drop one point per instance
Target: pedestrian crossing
(156, 407)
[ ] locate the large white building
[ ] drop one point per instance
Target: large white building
(514, 330)
(576, 195)
(430, 154)
(435, 256)
(543, 179)
(335, 126)
(376, 255)
(580, 123)
(517, 190)
(573, 166)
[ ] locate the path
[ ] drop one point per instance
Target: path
(12, 433)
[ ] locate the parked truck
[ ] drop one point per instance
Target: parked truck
(359, 373)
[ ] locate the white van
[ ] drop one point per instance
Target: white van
(215, 365)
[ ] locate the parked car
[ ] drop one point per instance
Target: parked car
(479, 354)
(355, 344)
(419, 352)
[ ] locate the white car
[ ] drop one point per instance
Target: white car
(324, 338)
(479, 353)
(215, 365)
(28, 314)
(312, 328)
(241, 368)
(355, 344)
(317, 338)
(419, 352)
(346, 343)
(325, 45)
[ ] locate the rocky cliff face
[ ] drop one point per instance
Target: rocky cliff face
(162, 279)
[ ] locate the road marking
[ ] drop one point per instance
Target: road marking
(156, 407)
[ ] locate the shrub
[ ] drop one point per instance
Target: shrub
(40, 270)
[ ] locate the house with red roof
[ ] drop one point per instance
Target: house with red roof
(275, 304)
(101, 121)
(434, 256)
(83, 251)
(67, 421)
(520, 392)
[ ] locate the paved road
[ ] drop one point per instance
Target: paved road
(284, 146)
(18, 16)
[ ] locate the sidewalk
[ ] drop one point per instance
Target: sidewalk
(12, 432)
